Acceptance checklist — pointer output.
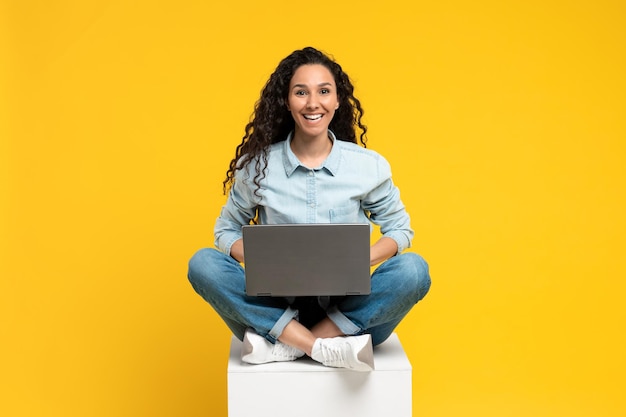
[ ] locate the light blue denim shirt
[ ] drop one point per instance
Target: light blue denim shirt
(353, 185)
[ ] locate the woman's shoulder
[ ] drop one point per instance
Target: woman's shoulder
(353, 150)
(258, 161)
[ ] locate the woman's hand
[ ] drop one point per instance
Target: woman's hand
(382, 250)
(236, 250)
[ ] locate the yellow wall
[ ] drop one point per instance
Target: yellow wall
(505, 125)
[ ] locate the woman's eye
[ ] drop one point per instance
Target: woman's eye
(324, 91)
(301, 93)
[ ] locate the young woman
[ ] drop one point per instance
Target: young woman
(299, 162)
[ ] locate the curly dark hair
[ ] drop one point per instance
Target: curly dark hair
(271, 121)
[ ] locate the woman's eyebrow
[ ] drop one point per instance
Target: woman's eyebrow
(324, 84)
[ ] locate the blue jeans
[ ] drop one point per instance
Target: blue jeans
(397, 285)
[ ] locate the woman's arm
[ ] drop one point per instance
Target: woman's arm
(240, 207)
(387, 211)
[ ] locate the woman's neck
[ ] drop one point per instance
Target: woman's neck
(311, 151)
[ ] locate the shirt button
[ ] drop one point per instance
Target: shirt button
(310, 173)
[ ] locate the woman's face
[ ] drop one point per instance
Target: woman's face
(312, 100)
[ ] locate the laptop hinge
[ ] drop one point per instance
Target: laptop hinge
(353, 293)
(264, 294)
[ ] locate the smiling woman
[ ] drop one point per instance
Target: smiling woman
(297, 163)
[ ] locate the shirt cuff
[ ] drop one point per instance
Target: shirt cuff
(230, 240)
(401, 239)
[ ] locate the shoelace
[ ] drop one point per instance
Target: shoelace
(282, 350)
(334, 355)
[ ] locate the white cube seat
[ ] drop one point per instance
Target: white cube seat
(305, 388)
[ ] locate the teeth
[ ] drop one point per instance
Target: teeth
(312, 116)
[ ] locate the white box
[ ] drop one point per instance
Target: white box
(305, 388)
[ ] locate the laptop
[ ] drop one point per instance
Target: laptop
(307, 259)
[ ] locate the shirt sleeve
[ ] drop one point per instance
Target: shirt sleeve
(387, 210)
(239, 210)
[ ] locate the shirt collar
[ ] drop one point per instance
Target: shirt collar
(331, 164)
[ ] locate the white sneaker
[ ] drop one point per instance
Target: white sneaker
(352, 352)
(257, 349)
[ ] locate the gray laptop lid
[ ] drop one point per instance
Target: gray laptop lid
(307, 259)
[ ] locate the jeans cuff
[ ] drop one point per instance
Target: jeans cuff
(345, 325)
(283, 321)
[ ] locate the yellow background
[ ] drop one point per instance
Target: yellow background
(504, 122)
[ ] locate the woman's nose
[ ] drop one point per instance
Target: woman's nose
(312, 102)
